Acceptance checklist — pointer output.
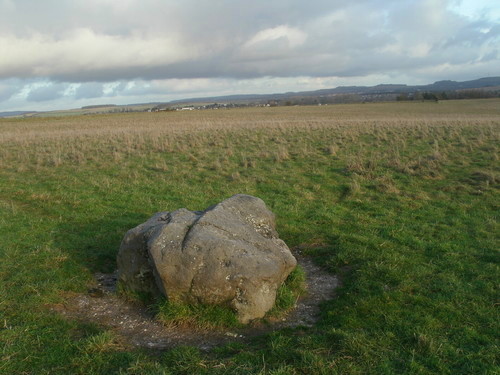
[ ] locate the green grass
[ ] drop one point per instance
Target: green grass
(400, 199)
(197, 316)
(289, 292)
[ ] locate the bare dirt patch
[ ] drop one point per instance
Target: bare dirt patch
(137, 326)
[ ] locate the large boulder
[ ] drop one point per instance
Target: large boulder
(229, 254)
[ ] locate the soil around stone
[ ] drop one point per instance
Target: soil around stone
(136, 326)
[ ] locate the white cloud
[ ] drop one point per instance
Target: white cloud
(83, 50)
(293, 36)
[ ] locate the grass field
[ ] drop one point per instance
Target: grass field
(399, 199)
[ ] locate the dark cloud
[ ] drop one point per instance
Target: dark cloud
(47, 92)
(155, 39)
(89, 90)
(492, 56)
(8, 89)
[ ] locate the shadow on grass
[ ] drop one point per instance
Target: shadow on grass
(95, 243)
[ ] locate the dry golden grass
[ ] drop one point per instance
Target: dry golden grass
(365, 135)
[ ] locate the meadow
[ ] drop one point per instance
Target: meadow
(398, 199)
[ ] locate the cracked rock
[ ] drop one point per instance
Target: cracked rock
(230, 254)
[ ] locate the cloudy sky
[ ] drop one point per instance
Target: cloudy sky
(57, 54)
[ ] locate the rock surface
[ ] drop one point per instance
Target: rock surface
(229, 254)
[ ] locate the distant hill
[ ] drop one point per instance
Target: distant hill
(16, 113)
(482, 87)
(360, 90)
(97, 106)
